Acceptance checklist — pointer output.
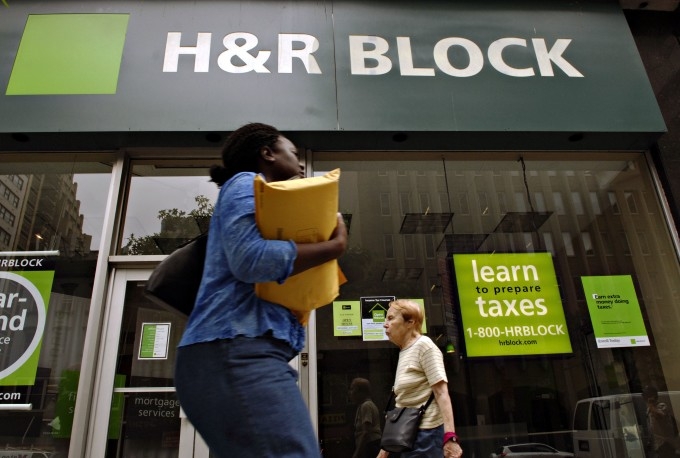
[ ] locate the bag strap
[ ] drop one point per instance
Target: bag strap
(423, 408)
(389, 401)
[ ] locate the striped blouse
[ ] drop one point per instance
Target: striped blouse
(420, 366)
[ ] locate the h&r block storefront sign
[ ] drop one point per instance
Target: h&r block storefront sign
(458, 66)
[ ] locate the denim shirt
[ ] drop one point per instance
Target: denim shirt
(237, 257)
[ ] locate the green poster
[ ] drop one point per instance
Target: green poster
(346, 318)
(510, 304)
(155, 340)
(615, 311)
(62, 424)
(421, 302)
(24, 296)
(373, 313)
(82, 53)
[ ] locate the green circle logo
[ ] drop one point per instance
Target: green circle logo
(22, 321)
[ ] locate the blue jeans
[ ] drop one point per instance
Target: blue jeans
(429, 444)
(242, 396)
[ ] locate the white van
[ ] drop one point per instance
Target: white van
(24, 454)
(615, 426)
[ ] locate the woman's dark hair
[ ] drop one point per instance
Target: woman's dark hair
(242, 149)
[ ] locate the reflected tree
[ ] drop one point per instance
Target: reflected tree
(177, 228)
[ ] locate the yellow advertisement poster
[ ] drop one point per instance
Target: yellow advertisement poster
(346, 318)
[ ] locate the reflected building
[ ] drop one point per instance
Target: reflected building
(41, 212)
(593, 220)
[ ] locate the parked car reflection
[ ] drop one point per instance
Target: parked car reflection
(529, 450)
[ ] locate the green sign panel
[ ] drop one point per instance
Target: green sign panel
(81, 53)
(155, 340)
(615, 311)
(346, 318)
(510, 304)
(62, 424)
(373, 312)
(24, 297)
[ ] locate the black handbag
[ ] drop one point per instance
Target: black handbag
(174, 282)
(401, 426)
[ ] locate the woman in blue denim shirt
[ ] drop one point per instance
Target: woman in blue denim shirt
(232, 374)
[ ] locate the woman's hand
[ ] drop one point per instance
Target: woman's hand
(339, 234)
(452, 450)
(383, 454)
(314, 254)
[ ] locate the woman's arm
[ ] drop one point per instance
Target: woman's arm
(441, 395)
(314, 254)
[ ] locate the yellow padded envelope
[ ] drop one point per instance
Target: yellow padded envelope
(305, 211)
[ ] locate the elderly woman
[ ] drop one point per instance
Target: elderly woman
(420, 372)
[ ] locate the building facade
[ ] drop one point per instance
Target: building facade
(510, 167)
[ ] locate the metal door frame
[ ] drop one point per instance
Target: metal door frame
(191, 445)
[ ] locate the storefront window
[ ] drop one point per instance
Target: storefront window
(168, 204)
(601, 231)
(51, 220)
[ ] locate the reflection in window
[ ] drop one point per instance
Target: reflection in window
(568, 245)
(587, 243)
(502, 207)
(167, 205)
(606, 244)
(658, 292)
(548, 240)
(405, 202)
(595, 203)
(430, 248)
(17, 181)
(644, 243)
(463, 203)
(623, 238)
(483, 203)
(649, 203)
(559, 203)
(5, 238)
(581, 246)
(580, 295)
(384, 204)
(659, 234)
(409, 247)
(54, 207)
(388, 241)
(577, 203)
(540, 202)
(613, 202)
(7, 215)
(424, 202)
(520, 202)
(630, 199)
(444, 201)
(600, 415)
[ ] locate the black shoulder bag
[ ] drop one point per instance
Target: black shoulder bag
(401, 426)
(174, 282)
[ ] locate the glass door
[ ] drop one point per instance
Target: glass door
(137, 413)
